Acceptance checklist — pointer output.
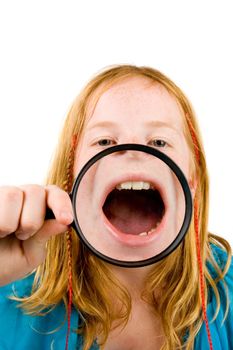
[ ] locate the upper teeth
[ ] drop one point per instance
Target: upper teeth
(134, 185)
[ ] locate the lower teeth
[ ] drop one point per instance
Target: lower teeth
(143, 234)
(152, 230)
(149, 232)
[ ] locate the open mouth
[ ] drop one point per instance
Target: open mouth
(135, 208)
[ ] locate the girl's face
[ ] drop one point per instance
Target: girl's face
(132, 111)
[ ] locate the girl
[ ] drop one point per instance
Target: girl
(46, 272)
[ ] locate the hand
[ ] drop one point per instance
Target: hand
(23, 230)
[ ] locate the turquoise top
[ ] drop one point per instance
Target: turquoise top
(21, 332)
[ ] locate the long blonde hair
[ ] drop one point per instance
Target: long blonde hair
(179, 305)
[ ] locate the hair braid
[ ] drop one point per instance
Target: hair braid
(67, 187)
(196, 226)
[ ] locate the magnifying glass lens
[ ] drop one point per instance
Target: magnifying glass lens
(131, 207)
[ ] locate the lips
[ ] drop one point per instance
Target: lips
(134, 208)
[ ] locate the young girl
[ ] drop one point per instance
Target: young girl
(47, 274)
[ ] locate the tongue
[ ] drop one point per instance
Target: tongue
(133, 212)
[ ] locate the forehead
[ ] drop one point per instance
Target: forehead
(137, 98)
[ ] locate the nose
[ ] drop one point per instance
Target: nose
(132, 155)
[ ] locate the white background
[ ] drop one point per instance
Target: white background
(50, 49)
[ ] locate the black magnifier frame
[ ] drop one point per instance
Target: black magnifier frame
(185, 187)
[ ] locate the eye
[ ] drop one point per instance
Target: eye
(158, 143)
(105, 142)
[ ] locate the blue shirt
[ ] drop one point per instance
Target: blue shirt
(19, 331)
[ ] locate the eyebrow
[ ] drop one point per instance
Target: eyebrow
(103, 124)
(161, 124)
(152, 123)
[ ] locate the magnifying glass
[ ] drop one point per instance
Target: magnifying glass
(132, 205)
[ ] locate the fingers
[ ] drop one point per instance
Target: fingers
(11, 199)
(23, 228)
(33, 211)
(60, 203)
(22, 209)
(36, 199)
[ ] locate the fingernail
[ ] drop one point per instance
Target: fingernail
(23, 236)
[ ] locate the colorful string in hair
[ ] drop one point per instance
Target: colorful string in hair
(68, 186)
(196, 227)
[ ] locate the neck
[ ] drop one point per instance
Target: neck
(133, 279)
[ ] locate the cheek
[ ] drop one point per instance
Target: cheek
(82, 156)
(79, 160)
(183, 159)
(185, 165)
(185, 162)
